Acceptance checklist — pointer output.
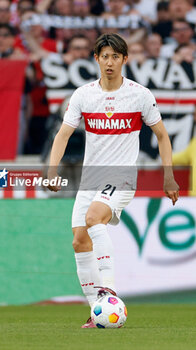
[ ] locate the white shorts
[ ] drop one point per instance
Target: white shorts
(117, 201)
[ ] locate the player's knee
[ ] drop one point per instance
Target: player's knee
(91, 219)
(76, 245)
(81, 245)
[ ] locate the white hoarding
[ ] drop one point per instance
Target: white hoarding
(155, 246)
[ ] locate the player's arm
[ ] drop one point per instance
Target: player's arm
(57, 152)
(171, 188)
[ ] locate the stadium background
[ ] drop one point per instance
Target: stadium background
(36, 256)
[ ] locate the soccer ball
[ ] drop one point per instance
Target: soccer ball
(109, 312)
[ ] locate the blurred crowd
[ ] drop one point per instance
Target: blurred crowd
(159, 29)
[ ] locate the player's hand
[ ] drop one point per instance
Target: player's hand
(53, 178)
(171, 189)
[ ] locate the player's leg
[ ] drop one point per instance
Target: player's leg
(87, 268)
(97, 217)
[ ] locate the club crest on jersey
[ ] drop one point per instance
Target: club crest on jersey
(109, 111)
(109, 114)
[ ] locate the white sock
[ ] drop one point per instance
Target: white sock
(103, 249)
(88, 274)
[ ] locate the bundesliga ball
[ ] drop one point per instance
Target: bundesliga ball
(109, 312)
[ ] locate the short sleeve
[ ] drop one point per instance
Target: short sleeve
(73, 112)
(150, 111)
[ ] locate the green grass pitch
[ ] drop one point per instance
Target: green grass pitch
(51, 327)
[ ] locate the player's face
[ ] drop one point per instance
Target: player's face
(110, 62)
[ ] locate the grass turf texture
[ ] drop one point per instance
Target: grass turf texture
(148, 327)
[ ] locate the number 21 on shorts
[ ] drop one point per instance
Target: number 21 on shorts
(109, 188)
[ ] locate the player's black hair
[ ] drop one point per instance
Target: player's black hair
(115, 41)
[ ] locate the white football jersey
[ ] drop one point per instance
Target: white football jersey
(113, 120)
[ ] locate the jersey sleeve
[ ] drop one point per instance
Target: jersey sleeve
(73, 112)
(150, 111)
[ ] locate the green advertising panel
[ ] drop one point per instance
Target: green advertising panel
(154, 246)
